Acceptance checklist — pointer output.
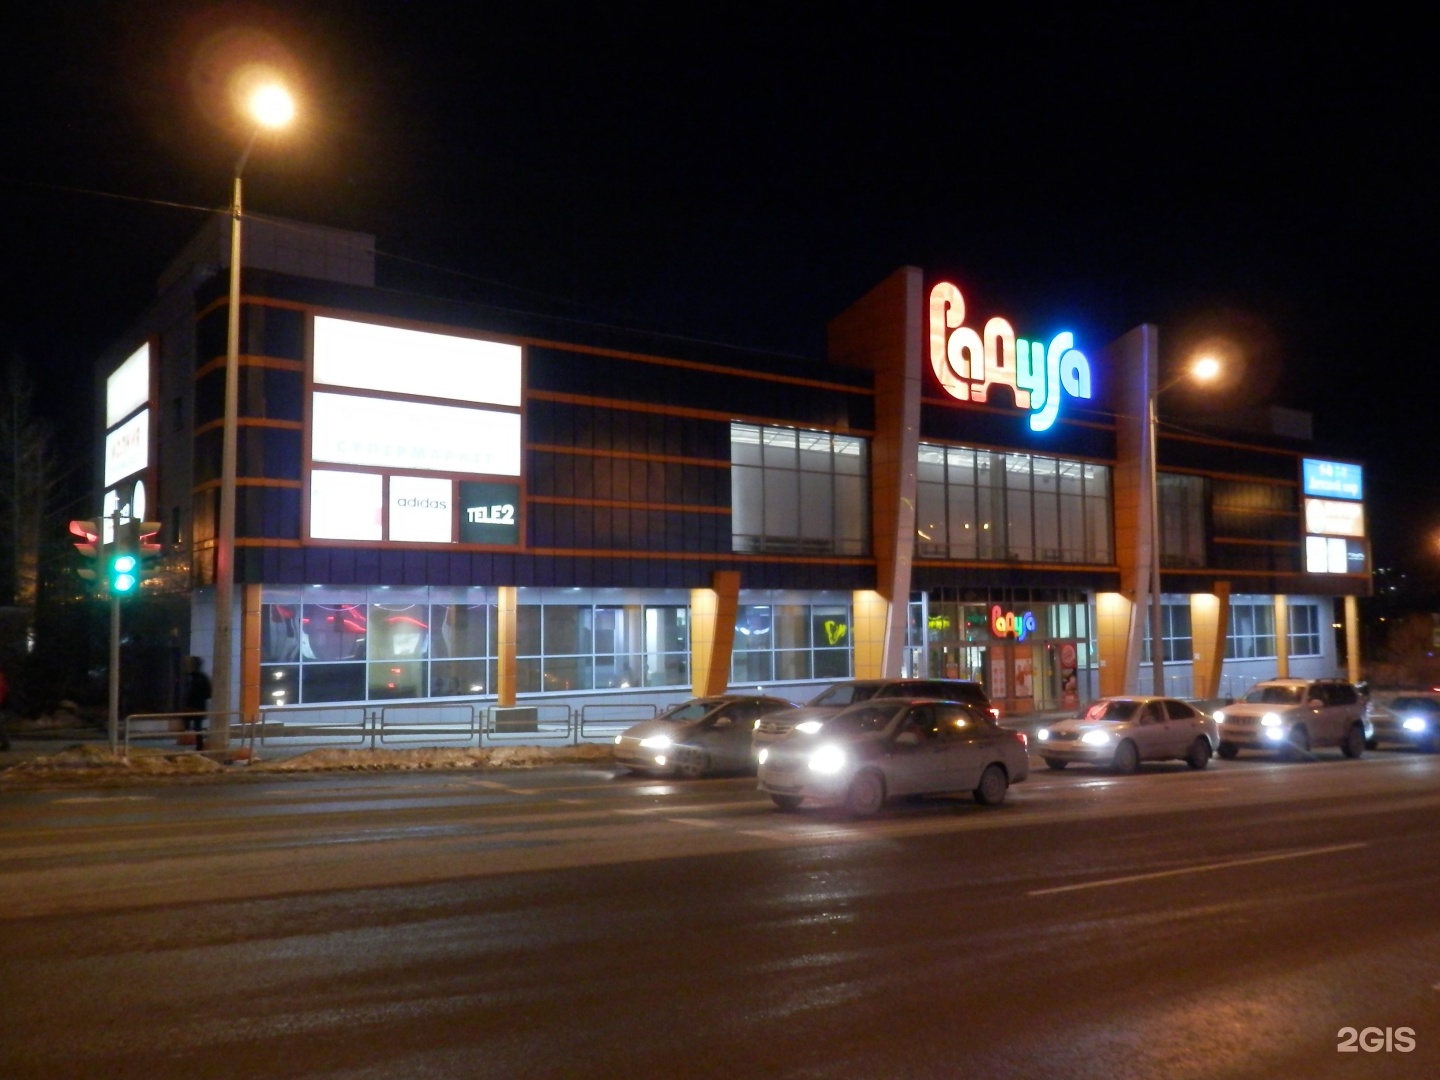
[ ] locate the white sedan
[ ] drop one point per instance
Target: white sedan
(1121, 732)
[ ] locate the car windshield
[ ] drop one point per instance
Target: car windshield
(1117, 711)
(1417, 704)
(846, 694)
(689, 712)
(863, 721)
(1275, 695)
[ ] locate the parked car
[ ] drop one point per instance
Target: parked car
(697, 736)
(1293, 716)
(1121, 732)
(887, 747)
(1410, 719)
(841, 695)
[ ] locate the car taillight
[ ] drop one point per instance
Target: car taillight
(994, 712)
(1024, 739)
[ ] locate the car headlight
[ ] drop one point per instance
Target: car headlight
(1271, 719)
(1219, 716)
(764, 755)
(1095, 738)
(809, 727)
(1043, 734)
(618, 738)
(828, 760)
(656, 742)
(1415, 723)
(756, 726)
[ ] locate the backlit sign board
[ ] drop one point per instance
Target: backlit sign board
(1334, 517)
(1334, 555)
(346, 505)
(347, 429)
(128, 387)
(969, 363)
(393, 360)
(489, 513)
(1008, 624)
(127, 448)
(421, 509)
(1332, 479)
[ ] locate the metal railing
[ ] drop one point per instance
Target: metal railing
(174, 728)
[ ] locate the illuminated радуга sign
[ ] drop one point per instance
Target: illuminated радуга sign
(968, 363)
(1007, 624)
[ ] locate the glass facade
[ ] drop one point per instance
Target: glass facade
(796, 491)
(791, 641)
(1182, 519)
(986, 505)
(1305, 630)
(372, 644)
(1252, 629)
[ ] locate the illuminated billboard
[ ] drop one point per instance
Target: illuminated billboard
(399, 418)
(1332, 479)
(128, 387)
(1334, 517)
(127, 448)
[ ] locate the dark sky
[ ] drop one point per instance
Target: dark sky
(743, 178)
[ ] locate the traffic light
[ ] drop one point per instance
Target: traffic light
(88, 545)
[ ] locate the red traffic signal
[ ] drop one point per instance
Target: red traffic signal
(88, 545)
(149, 546)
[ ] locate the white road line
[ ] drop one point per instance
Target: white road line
(699, 823)
(1200, 869)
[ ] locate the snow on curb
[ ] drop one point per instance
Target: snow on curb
(93, 760)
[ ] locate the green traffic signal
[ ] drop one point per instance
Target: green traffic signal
(124, 573)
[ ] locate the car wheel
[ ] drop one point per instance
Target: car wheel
(1199, 755)
(1229, 751)
(786, 802)
(866, 794)
(1127, 758)
(993, 784)
(691, 763)
(1354, 743)
(1055, 763)
(1298, 745)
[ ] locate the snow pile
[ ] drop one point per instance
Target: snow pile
(87, 759)
(430, 757)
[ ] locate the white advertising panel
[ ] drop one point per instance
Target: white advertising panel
(348, 430)
(1331, 517)
(396, 361)
(1325, 555)
(421, 509)
(127, 448)
(128, 387)
(345, 505)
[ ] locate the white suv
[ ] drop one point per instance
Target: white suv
(1294, 715)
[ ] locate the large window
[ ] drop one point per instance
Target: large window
(1252, 629)
(1175, 635)
(798, 491)
(339, 645)
(1305, 630)
(791, 641)
(1182, 519)
(987, 505)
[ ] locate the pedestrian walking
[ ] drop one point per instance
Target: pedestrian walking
(197, 699)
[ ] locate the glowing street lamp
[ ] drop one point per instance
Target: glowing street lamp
(270, 106)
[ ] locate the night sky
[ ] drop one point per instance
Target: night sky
(1254, 179)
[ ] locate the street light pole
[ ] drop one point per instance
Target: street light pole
(1157, 648)
(272, 107)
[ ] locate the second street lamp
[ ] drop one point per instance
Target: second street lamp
(270, 106)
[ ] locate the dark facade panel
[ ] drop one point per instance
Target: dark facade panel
(993, 577)
(975, 427)
(1257, 461)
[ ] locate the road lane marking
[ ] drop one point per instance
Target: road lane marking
(1204, 868)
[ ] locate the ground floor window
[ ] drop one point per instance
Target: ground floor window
(791, 639)
(1252, 629)
(1305, 630)
(1177, 643)
(324, 644)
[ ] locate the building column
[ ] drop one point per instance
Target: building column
(870, 623)
(506, 597)
(882, 332)
(1209, 623)
(1132, 360)
(251, 627)
(712, 633)
(1352, 639)
(1113, 616)
(1282, 636)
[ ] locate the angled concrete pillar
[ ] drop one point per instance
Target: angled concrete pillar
(1114, 614)
(1282, 636)
(870, 627)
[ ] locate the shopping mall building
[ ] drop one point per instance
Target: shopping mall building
(438, 500)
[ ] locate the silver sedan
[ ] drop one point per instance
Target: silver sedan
(887, 747)
(1121, 732)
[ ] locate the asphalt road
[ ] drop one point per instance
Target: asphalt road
(571, 923)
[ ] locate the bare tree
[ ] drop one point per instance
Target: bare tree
(29, 480)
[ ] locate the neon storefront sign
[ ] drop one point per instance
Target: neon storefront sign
(1008, 624)
(969, 362)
